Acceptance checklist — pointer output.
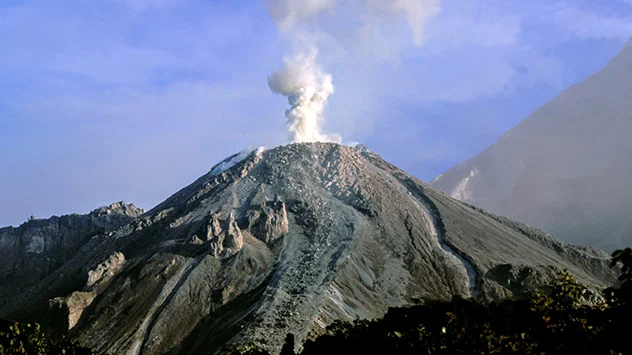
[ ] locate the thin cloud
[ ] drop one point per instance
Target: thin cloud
(141, 5)
(290, 13)
(583, 24)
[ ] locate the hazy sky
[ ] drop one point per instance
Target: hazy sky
(133, 99)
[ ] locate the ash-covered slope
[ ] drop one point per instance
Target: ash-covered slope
(36, 248)
(288, 241)
(567, 167)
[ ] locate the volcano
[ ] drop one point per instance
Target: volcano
(282, 241)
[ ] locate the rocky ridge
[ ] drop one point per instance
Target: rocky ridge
(38, 247)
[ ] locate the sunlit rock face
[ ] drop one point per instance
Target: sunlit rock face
(566, 168)
(69, 309)
(288, 241)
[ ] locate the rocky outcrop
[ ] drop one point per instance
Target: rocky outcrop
(36, 248)
(68, 310)
(104, 272)
(289, 241)
(65, 312)
(224, 236)
(268, 220)
(263, 219)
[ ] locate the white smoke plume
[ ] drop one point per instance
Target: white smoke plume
(307, 88)
(302, 80)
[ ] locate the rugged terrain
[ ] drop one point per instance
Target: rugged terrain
(566, 168)
(288, 241)
(38, 247)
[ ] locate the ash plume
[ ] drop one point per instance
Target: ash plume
(307, 88)
(301, 79)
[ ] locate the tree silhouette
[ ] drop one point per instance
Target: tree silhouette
(288, 346)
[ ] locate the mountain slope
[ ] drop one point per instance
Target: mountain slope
(288, 241)
(567, 167)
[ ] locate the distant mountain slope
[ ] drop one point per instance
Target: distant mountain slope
(567, 168)
(288, 241)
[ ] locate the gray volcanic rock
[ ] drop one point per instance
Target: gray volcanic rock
(566, 168)
(288, 241)
(226, 238)
(36, 248)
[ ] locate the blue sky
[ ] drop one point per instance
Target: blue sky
(133, 99)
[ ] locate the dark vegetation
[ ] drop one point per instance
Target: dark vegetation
(558, 319)
(29, 338)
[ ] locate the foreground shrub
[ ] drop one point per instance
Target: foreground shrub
(28, 338)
